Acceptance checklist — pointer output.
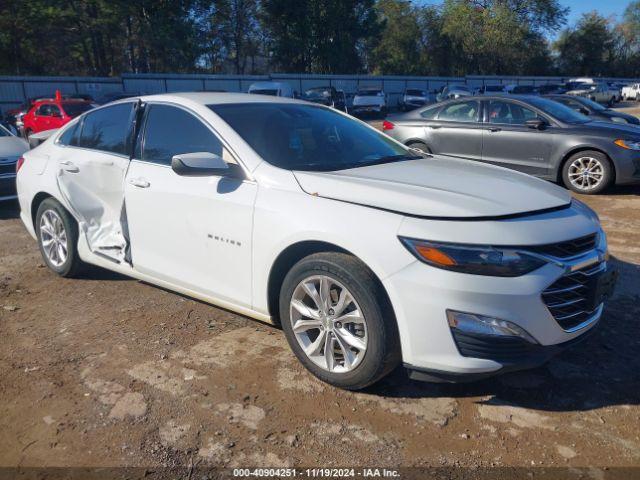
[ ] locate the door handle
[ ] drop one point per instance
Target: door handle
(139, 182)
(495, 129)
(70, 167)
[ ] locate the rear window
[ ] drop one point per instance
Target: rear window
(265, 91)
(309, 138)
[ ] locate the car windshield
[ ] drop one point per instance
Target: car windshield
(369, 93)
(558, 110)
(579, 86)
(265, 91)
(76, 108)
(4, 132)
(416, 93)
(309, 138)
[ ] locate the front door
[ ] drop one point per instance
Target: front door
(508, 142)
(190, 231)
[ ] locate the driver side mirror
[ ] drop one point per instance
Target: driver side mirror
(199, 164)
(583, 111)
(536, 123)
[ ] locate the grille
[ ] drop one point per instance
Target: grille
(570, 298)
(500, 349)
(569, 248)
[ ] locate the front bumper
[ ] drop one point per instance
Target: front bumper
(367, 109)
(627, 165)
(432, 350)
(512, 355)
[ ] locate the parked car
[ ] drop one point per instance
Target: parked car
(490, 89)
(598, 92)
(453, 91)
(531, 134)
(520, 89)
(276, 89)
(300, 215)
(551, 88)
(594, 110)
(52, 113)
(11, 150)
(329, 96)
(631, 92)
(413, 98)
(369, 101)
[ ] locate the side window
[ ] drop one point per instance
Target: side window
(509, 113)
(54, 111)
(107, 129)
(171, 130)
(429, 113)
(460, 112)
(71, 135)
(44, 110)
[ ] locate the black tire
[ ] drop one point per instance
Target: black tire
(72, 266)
(607, 171)
(420, 146)
(382, 353)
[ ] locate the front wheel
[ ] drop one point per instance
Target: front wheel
(337, 321)
(588, 172)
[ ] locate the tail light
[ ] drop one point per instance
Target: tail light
(19, 164)
(387, 125)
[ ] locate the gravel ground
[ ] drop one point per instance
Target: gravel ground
(106, 371)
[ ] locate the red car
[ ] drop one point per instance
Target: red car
(52, 113)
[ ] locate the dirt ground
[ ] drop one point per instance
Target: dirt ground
(106, 371)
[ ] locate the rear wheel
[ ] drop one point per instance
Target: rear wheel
(587, 172)
(57, 234)
(337, 321)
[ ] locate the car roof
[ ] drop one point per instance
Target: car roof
(215, 98)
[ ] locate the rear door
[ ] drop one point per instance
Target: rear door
(195, 232)
(91, 173)
(456, 130)
(55, 118)
(508, 142)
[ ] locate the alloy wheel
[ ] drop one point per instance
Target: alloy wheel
(53, 238)
(586, 173)
(328, 324)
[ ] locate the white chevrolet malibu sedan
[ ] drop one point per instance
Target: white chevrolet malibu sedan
(367, 253)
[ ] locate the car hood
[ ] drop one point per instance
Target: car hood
(437, 187)
(618, 129)
(12, 147)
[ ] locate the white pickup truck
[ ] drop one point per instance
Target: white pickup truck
(631, 92)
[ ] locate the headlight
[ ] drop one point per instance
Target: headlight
(628, 144)
(476, 260)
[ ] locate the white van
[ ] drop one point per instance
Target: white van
(276, 89)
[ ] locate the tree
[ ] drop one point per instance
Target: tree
(397, 52)
(588, 48)
(323, 36)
